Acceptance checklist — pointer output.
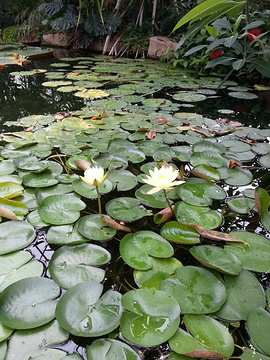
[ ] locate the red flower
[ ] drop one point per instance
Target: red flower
(253, 34)
(215, 54)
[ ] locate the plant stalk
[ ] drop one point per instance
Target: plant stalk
(168, 201)
(99, 202)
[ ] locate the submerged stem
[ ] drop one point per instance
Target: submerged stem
(168, 201)
(99, 202)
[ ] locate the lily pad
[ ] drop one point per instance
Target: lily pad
(197, 290)
(33, 343)
(65, 235)
(180, 233)
(217, 258)
(61, 209)
(243, 95)
(156, 200)
(90, 192)
(254, 255)
(207, 338)
(199, 215)
(110, 349)
(9, 190)
(71, 265)
(84, 312)
(258, 324)
(93, 228)
(137, 248)
(126, 209)
(160, 270)
(244, 293)
(44, 179)
(124, 180)
(151, 317)
(15, 235)
(28, 303)
(235, 176)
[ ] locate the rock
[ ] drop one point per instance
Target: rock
(60, 39)
(158, 46)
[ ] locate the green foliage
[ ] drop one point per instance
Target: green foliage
(10, 34)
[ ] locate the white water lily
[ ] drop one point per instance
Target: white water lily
(94, 176)
(162, 179)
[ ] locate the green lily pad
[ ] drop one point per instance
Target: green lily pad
(217, 258)
(207, 338)
(71, 265)
(126, 209)
(205, 145)
(28, 303)
(235, 176)
(197, 290)
(206, 170)
(5, 332)
(250, 354)
(180, 233)
(207, 157)
(183, 153)
(15, 235)
(258, 325)
(34, 219)
(44, 179)
(33, 343)
(244, 293)
(9, 190)
(84, 312)
(137, 248)
(17, 207)
(111, 161)
(240, 205)
(124, 180)
(93, 228)
(65, 235)
(61, 209)
(151, 317)
(160, 270)
(265, 220)
(31, 163)
(189, 96)
(254, 255)
(6, 167)
(200, 192)
(243, 95)
(58, 189)
(198, 215)
(90, 192)
(265, 160)
(110, 349)
(28, 198)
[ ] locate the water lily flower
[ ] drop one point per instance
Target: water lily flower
(253, 34)
(94, 176)
(162, 179)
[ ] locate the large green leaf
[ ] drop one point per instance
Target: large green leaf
(110, 349)
(84, 312)
(61, 209)
(197, 290)
(258, 325)
(151, 317)
(28, 303)
(136, 248)
(180, 233)
(71, 265)
(10, 189)
(126, 209)
(244, 293)
(92, 227)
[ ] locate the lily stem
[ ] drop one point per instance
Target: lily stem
(99, 202)
(168, 201)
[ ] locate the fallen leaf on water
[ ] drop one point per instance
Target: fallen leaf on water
(151, 134)
(163, 215)
(193, 128)
(201, 176)
(162, 120)
(114, 225)
(232, 163)
(8, 214)
(82, 164)
(215, 235)
(142, 129)
(248, 141)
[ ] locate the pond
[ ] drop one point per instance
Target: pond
(132, 280)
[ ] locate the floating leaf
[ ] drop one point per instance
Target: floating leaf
(258, 324)
(151, 317)
(126, 209)
(92, 227)
(110, 349)
(136, 248)
(180, 233)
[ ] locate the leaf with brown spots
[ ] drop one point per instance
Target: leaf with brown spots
(215, 235)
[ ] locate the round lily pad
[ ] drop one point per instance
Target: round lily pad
(125, 209)
(71, 265)
(110, 349)
(243, 95)
(180, 233)
(151, 317)
(124, 180)
(15, 235)
(217, 258)
(258, 325)
(84, 312)
(156, 200)
(244, 293)
(199, 215)
(160, 270)
(44, 179)
(34, 343)
(90, 192)
(28, 303)
(65, 235)
(61, 209)
(254, 255)
(9, 190)
(189, 96)
(197, 290)
(235, 176)
(207, 171)
(207, 338)
(136, 248)
(240, 205)
(92, 227)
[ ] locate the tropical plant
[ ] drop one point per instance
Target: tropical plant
(238, 42)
